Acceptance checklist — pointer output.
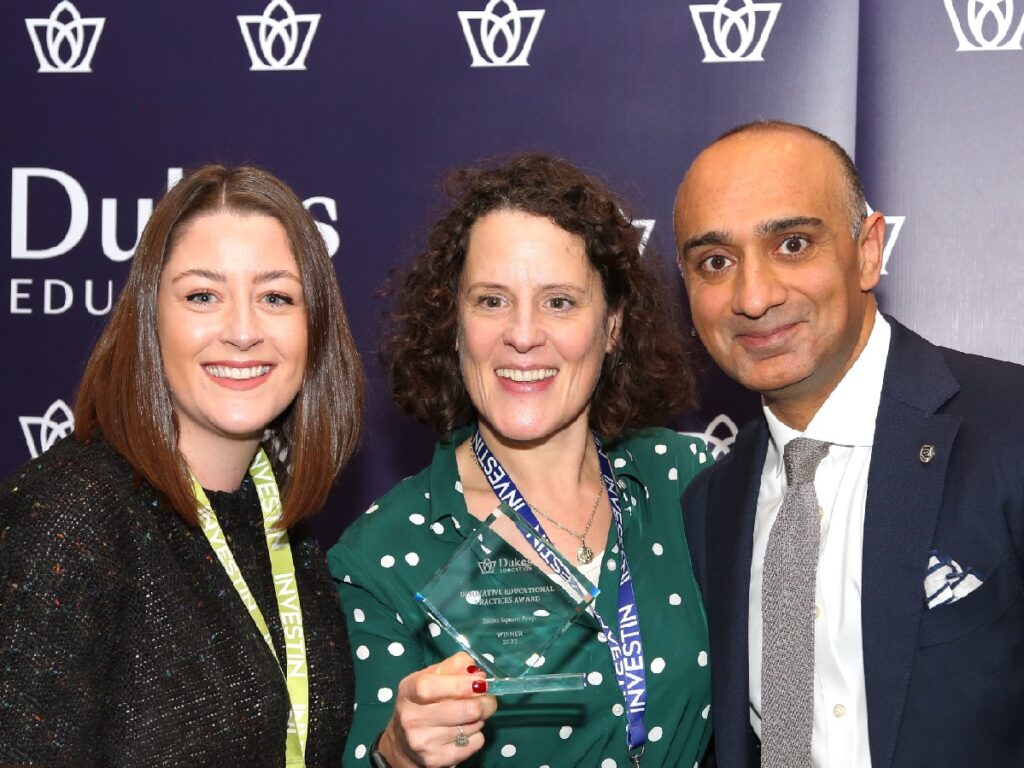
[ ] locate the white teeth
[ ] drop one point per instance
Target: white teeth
(238, 374)
(516, 374)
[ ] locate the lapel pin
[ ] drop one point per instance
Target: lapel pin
(927, 453)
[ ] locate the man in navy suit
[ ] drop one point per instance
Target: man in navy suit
(917, 616)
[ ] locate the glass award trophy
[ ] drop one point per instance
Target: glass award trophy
(505, 596)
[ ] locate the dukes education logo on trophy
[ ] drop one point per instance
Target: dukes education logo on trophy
(505, 596)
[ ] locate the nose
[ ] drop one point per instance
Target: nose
(757, 288)
(242, 329)
(524, 330)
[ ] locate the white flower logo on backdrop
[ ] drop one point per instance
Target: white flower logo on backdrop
(891, 235)
(719, 435)
(736, 34)
(500, 40)
(69, 40)
(283, 37)
(990, 25)
(41, 432)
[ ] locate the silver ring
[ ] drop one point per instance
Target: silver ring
(462, 740)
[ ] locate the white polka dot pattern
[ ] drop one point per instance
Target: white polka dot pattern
(407, 553)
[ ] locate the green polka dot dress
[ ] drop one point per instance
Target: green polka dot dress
(393, 549)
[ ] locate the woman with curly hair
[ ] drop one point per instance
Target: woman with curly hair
(532, 337)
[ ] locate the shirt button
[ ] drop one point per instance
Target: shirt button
(838, 710)
(817, 612)
(821, 513)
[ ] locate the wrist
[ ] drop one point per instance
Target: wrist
(377, 759)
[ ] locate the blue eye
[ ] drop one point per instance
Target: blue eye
(279, 299)
(199, 297)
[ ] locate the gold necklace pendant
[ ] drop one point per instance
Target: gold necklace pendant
(584, 554)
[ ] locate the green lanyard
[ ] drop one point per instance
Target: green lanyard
(283, 569)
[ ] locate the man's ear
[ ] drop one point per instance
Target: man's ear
(870, 247)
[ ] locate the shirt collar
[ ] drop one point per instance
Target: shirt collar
(848, 416)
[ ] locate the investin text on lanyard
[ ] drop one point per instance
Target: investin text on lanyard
(285, 587)
(626, 646)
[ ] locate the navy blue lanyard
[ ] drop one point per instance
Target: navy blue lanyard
(626, 646)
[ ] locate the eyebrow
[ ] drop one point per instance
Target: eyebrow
(764, 229)
(778, 226)
(545, 287)
(218, 277)
(714, 237)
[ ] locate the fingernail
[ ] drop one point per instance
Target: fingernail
(479, 686)
(472, 669)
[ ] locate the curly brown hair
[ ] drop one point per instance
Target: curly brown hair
(646, 378)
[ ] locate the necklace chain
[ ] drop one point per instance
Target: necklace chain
(584, 554)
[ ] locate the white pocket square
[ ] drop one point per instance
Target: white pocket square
(946, 582)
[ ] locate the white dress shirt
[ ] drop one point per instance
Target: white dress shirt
(847, 420)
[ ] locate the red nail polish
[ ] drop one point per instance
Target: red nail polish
(472, 669)
(479, 686)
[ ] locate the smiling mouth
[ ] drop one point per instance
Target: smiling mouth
(236, 374)
(515, 374)
(765, 335)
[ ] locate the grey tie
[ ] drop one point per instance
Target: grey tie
(787, 614)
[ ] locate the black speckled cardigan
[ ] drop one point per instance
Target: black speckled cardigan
(122, 641)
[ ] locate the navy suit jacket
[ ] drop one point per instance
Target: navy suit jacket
(945, 686)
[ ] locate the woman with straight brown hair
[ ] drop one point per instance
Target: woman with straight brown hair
(162, 601)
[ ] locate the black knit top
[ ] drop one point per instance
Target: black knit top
(122, 640)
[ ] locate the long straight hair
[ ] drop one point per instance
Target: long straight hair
(124, 394)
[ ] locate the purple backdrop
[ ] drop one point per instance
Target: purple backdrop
(362, 106)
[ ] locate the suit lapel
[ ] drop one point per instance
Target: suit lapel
(903, 498)
(732, 504)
